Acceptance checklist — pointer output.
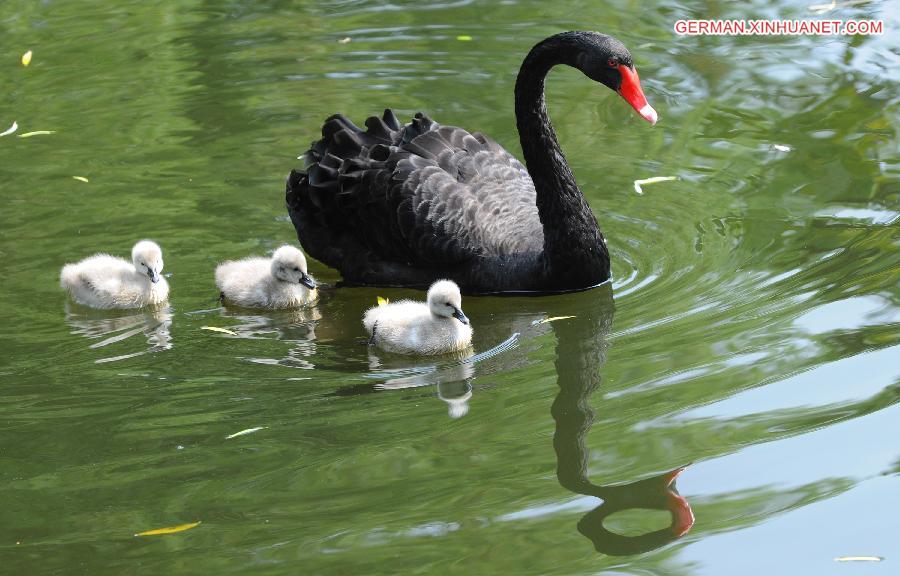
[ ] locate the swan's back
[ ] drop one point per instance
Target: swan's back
(400, 314)
(104, 281)
(103, 271)
(242, 274)
(399, 205)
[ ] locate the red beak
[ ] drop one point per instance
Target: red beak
(631, 91)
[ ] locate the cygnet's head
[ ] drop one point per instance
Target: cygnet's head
(147, 258)
(444, 300)
(289, 265)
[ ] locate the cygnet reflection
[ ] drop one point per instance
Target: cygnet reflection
(115, 331)
(452, 383)
(295, 326)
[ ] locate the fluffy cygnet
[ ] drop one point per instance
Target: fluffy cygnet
(104, 281)
(279, 282)
(409, 327)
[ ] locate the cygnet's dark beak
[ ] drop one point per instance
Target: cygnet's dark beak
(307, 281)
(458, 314)
(154, 275)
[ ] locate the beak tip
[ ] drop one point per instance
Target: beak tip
(649, 114)
(458, 314)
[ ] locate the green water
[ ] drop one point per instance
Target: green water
(750, 331)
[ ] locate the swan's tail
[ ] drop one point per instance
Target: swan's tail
(69, 277)
(347, 175)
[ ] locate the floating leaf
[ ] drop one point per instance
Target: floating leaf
(382, 301)
(464, 38)
(654, 180)
(554, 319)
(80, 178)
(169, 530)
(26, 58)
(344, 40)
(858, 559)
(217, 329)
(13, 128)
(37, 133)
(244, 432)
(823, 8)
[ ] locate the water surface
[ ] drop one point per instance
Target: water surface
(749, 335)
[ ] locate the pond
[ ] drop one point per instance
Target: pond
(726, 405)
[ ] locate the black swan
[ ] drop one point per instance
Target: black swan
(406, 205)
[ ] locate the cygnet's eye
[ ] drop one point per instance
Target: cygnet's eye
(296, 269)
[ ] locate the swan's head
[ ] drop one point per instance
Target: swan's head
(604, 59)
(445, 301)
(147, 258)
(289, 265)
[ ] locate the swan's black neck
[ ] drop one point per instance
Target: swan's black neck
(575, 253)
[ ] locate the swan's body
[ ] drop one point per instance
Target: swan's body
(404, 205)
(437, 326)
(104, 281)
(278, 282)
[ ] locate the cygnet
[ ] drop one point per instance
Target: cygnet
(433, 327)
(279, 282)
(104, 281)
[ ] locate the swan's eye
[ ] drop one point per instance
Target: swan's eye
(612, 63)
(296, 269)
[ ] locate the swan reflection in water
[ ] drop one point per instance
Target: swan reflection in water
(580, 354)
(581, 345)
(453, 383)
(296, 326)
(452, 374)
(117, 329)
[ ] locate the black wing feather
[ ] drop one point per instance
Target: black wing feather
(419, 195)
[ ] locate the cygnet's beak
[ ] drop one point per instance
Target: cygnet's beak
(307, 281)
(154, 275)
(458, 314)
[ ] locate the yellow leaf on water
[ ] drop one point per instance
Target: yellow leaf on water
(858, 559)
(382, 301)
(464, 38)
(246, 431)
(822, 8)
(554, 319)
(344, 40)
(37, 133)
(26, 58)
(169, 530)
(217, 329)
(80, 178)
